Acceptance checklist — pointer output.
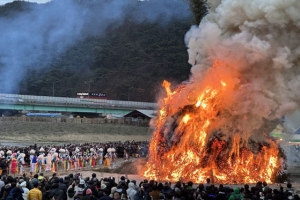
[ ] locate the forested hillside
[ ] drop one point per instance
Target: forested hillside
(128, 59)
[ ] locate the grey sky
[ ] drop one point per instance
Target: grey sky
(2, 2)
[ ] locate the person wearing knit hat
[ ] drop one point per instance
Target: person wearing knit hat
(88, 191)
(103, 186)
(89, 195)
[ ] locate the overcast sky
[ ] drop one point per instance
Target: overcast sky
(7, 1)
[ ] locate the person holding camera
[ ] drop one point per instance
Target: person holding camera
(72, 191)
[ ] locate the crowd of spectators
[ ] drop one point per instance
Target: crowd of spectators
(76, 187)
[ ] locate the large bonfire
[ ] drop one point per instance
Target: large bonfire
(243, 80)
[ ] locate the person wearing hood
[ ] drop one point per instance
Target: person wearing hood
(131, 191)
(236, 195)
(25, 190)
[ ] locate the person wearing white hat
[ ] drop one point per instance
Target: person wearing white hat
(112, 157)
(107, 158)
(74, 162)
(21, 163)
(48, 162)
(33, 161)
(8, 161)
(92, 157)
(54, 161)
(126, 155)
(40, 164)
(100, 156)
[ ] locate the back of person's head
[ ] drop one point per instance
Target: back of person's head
(10, 179)
(145, 181)
(242, 190)
(221, 186)
(47, 187)
(13, 184)
(93, 175)
(100, 194)
(201, 186)
(190, 183)
(151, 182)
(56, 179)
(35, 184)
(264, 183)
(50, 196)
(106, 191)
(35, 176)
(259, 183)
(208, 180)
(289, 185)
(154, 187)
(246, 186)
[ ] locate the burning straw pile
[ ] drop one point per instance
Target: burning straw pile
(245, 74)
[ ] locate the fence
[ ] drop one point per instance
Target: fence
(121, 121)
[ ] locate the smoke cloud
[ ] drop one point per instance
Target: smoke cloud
(32, 39)
(257, 46)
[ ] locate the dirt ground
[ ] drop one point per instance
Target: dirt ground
(50, 132)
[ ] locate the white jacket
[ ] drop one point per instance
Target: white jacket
(25, 189)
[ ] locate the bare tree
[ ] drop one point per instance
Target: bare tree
(199, 9)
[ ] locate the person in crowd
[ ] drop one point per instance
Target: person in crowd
(35, 193)
(46, 193)
(131, 191)
(154, 194)
(236, 195)
(25, 189)
(89, 195)
(106, 196)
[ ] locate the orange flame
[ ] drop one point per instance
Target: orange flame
(184, 145)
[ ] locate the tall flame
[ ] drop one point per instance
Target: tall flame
(188, 144)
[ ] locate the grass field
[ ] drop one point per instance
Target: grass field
(47, 132)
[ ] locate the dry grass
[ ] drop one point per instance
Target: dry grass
(29, 132)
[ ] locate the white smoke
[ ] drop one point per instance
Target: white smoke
(259, 43)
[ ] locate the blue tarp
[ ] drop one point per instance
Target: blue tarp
(43, 114)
